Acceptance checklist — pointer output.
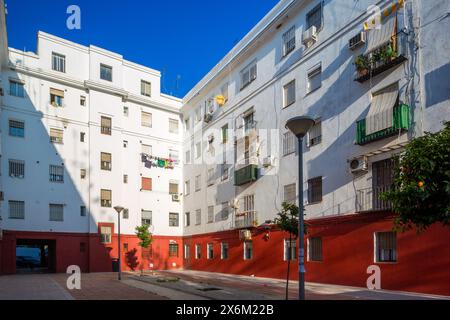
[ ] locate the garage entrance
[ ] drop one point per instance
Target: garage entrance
(35, 256)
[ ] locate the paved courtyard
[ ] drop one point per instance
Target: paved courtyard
(179, 285)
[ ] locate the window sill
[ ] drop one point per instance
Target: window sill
(312, 91)
(386, 262)
(287, 106)
(312, 203)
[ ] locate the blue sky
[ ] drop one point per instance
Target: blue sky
(185, 38)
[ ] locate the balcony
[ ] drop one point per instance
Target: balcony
(401, 122)
(368, 200)
(245, 175)
(382, 59)
(246, 219)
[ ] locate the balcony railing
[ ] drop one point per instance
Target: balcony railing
(369, 199)
(246, 219)
(383, 58)
(402, 122)
(246, 174)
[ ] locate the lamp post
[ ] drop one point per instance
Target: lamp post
(119, 209)
(299, 126)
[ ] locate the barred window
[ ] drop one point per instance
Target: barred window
(187, 219)
(173, 125)
(225, 211)
(248, 250)
(224, 251)
(16, 209)
(290, 193)
(146, 88)
(173, 219)
(289, 143)
(58, 62)
(315, 134)
(315, 190)
(210, 214)
(290, 250)
(105, 161)
(16, 128)
(210, 251)
(289, 93)
(173, 250)
(16, 169)
(314, 79)
(106, 198)
(314, 17)
(56, 173)
(146, 217)
(56, 212)
(105, 234)
(16, 89)
(198, 217)
(289, 41)
(56, 135)
(315, 249)
(126, 214)
(105, 72)
(386, 246)
(248, 75)
(105, 125)
(146, 119)
(198, 251)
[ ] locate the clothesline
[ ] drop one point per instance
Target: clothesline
(157, 162)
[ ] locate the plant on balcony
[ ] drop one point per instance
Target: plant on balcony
(145, 237)
(362, 65)
(421, 193)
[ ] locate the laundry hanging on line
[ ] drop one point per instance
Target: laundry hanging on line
(156, 162)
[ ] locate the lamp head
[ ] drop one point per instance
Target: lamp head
(119, 209)
(299, 126)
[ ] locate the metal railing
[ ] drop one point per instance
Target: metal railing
(246, 219)
(369, 199)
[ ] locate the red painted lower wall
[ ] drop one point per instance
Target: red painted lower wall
(347, 248)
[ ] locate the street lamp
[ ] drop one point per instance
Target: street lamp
(119, 209)
(299, 126)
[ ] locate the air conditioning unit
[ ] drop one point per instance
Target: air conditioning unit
(267, 162)
(310, 36)
(176, 198)
(245, 235)
(357, 41)
(359, 165)
(207, 118)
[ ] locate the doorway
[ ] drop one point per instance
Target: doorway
(35, 256)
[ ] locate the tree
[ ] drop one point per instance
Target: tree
(421, 192)
(287, 220)
(145, 238)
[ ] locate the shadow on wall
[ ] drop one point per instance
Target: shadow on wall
(437, 86)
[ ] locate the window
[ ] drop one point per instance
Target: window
(126, 111)
(173, 219)
(56, 136)
(248, 250)
(314, 79)
(173, 155)
(106, 198)
(125, 178)
(106, 124)
(314, 18)
(125, 247)
(126, 214)
(173, 125)
(16, 89)
(289, 93)
(290, 250)
(58, 62)
(248, 75)
(315, 249)
(146, 119)
(249, 122)
(82, 247)
(56, 173)
(146, 88)
(210, 251)
(225, 134)
(198, 183)
(315, 190)
(146, 149)
(16, 169)
(198, 217)
(146, 184)
(290, 193)
(187, 219)
(187, 251)
(187, 159)
(289, 41)
(210, 214)
(186, 124)
(224, 91)
(386, 246)
(224, 251)
(225, 211)
(198, 150)
(105, 161)
(315, 134)
(146, 218)
(198, 251)
(125, 144)
(82, 136)
(105, 234)
(173, 250)
(105, 72)
(82, 101)
(83, 173)
(56, 97)
(83, 211)
(16, 209)
(56, 212)
(211, 176)
(224, 171)
(16, 128)
(173, 188)
(187, 187)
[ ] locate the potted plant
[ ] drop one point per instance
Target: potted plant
(362, 65)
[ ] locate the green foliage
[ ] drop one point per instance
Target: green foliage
(361, 62)
(287, 219)
(421, 193)
(144, 235)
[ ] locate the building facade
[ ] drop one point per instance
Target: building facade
(83, 130)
